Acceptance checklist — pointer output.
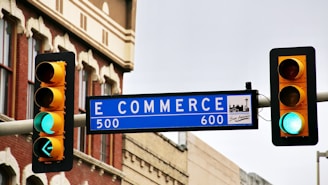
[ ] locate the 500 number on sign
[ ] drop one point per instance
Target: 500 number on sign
(108, 123)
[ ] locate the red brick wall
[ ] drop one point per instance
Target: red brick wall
(21, 149)
(21, 77)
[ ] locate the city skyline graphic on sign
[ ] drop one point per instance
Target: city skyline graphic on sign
(239, 109)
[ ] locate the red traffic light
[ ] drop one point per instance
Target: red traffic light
(291, 69)
(52, 73)
(291, 96)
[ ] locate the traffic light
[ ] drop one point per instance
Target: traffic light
(53, 112)
(293, 96)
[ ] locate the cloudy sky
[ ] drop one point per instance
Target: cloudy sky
(218, 45)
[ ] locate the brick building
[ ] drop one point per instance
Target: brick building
(101, 34)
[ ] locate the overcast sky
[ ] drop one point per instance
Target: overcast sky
(218, 45)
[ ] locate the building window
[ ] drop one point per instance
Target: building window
(84, 91)
(104, 148)
(106, 89)
(106, 139)
(33, 180)
(34, 48)
(5, 175)
(6, 70)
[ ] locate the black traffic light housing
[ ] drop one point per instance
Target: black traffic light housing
(293, 96)
(53, 124)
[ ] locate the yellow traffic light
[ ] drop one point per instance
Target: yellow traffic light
(50, 97)
(293, 104)
(293, 96)
(53, 121)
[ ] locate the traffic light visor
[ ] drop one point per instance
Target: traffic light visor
(291, 95)
(50, 72)
(49, 97)
(291, 69)
(48, 147)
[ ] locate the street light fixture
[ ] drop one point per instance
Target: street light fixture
(320, 154)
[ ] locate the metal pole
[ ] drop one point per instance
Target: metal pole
(26, 126)
(320, 154)
(318, 168)
(265, 101)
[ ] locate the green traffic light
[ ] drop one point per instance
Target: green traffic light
(43, 147)
(44, 122)
(291, 123)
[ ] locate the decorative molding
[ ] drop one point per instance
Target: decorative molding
(11, 7)
(93, 167)
(121, 47)
(98, 164)
(9, 160)
(163, 168)
(59, 179)
(5, 118)
(109, 72)
(64, 42)
(88, 58)
(85, 183)
(105, 8)
(103, 167)
(27, 172)
(39, 26)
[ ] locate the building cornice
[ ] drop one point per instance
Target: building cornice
(120, 49)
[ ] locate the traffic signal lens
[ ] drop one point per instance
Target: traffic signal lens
(44, 97)
(48, 147)
(43, 122)
(49, 97)
(50, 72)
(42, 147)
(291, 96)
(291, 123)
(49, 123)
(45, 72)
(53, 129)
(291, 69)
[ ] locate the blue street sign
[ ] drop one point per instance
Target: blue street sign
(172, 112)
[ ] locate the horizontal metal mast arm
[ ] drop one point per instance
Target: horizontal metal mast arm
(26, 126)
(265, 101)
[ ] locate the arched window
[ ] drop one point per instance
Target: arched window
(89, 71)
(106, 139)
(5, 175)
(9, 169)
(33, 180)
(39, 38)
(110, 85)
(7, 34)
(34, 48)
